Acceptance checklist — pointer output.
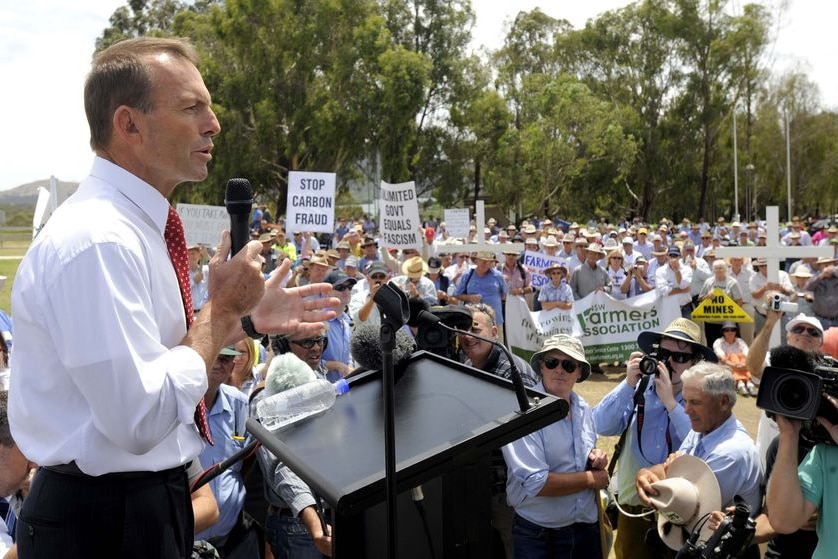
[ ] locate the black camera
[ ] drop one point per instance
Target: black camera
(439, 340)
(730, 539)
(800, 395)
(649, 364)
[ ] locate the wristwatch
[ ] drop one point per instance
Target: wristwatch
(250, 329)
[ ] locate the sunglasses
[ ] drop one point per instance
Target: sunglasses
(569, 365)
(814, 332)
(225, 358)
(342, 287)
(728, 329)
(677, 356)
(309, 343)
(616, 258)
(378, 277)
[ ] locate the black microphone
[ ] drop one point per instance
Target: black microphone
(517, 382)
(365, 346)
(239, 201)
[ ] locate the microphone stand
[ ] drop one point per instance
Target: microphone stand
(394, 310)
(517, 381)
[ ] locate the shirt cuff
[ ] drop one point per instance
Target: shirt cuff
(188, 375)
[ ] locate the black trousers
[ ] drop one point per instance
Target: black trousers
(135, 515)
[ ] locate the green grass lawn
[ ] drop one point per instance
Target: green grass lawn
(8, 268)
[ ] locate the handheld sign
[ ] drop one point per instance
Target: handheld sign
(203, 224)
(311, 202)
(456, 221)
(400, 226)
(718, 308)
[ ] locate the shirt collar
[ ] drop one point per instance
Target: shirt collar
(139, 192)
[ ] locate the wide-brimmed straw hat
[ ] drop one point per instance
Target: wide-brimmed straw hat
(682, 330)
(414, 267)
(568, 345)
(685, 498)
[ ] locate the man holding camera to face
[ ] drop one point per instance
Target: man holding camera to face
(648, 409)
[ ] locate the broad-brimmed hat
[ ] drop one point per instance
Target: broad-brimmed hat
(343, 245)
(568, 345)
(825, 260)
(804, 319)
(266, 237)
(414, 267)
(528, 229)
(485, 255)
(594, 247)
(320, 260)
(682, 330)
(511, 250)
(801, 272)
(368, 241)
(550, 241)
(560, 265)
(685, 497)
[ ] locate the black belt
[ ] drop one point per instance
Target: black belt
(280, 511)
(72, 469)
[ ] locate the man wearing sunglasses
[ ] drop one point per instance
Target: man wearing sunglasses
(336, 356)
(362, 307)
(648, 410)
(803, 332)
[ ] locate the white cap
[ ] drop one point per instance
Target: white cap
(803, 319)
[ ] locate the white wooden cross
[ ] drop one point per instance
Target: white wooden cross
(481, 245)
(774, 252)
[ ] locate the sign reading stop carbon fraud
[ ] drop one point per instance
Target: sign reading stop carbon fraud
(311, 202)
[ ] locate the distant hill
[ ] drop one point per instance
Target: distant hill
(27, 194)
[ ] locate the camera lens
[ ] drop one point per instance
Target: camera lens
(793, 394)
(648, 365)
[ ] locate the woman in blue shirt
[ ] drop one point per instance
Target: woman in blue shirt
(555, 474)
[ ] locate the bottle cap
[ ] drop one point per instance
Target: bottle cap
(341, 386)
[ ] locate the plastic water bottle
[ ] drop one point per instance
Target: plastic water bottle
(294, 404)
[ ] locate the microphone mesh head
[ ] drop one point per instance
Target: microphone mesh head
(239, 196)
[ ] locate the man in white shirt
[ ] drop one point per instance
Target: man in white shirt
(111, 368)
(674, 279)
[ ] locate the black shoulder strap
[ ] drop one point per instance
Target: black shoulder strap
(638, 399)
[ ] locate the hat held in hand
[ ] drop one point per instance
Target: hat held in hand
(685, 499)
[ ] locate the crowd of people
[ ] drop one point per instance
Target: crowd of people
(138, 359)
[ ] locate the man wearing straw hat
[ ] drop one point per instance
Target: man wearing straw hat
(590, 276)
(649, 412)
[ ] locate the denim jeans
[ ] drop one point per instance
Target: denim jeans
(577, 541)
(289, 538)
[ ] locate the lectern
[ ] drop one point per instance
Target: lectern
(449, 417)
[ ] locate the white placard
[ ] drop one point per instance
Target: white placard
(203, 224)
(311, 202)
(400, 226)
(457, 222)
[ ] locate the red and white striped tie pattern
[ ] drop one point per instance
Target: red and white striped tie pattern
(176, 245)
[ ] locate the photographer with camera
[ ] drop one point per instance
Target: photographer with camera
(802, 332)
(795, 492)
(648, 409)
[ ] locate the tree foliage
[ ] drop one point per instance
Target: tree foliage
(630, 115)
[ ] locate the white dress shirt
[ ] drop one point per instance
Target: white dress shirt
(100, 377)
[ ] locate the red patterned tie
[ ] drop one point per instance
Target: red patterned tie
(176, 245)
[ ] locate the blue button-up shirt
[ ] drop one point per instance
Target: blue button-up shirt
(339, 335)
(227, 420)
(730, 452)
(561, 447)
(611, 416)
(491, 287)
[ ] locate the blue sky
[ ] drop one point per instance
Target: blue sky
(45, 49)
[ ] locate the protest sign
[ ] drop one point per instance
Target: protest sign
(456, 221)
(607, 327)
(536, 263)
(400, 225)
(203, 224)
(718, 308)
(311, 202)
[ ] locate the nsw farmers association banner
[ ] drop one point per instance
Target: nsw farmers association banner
(607, 327)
